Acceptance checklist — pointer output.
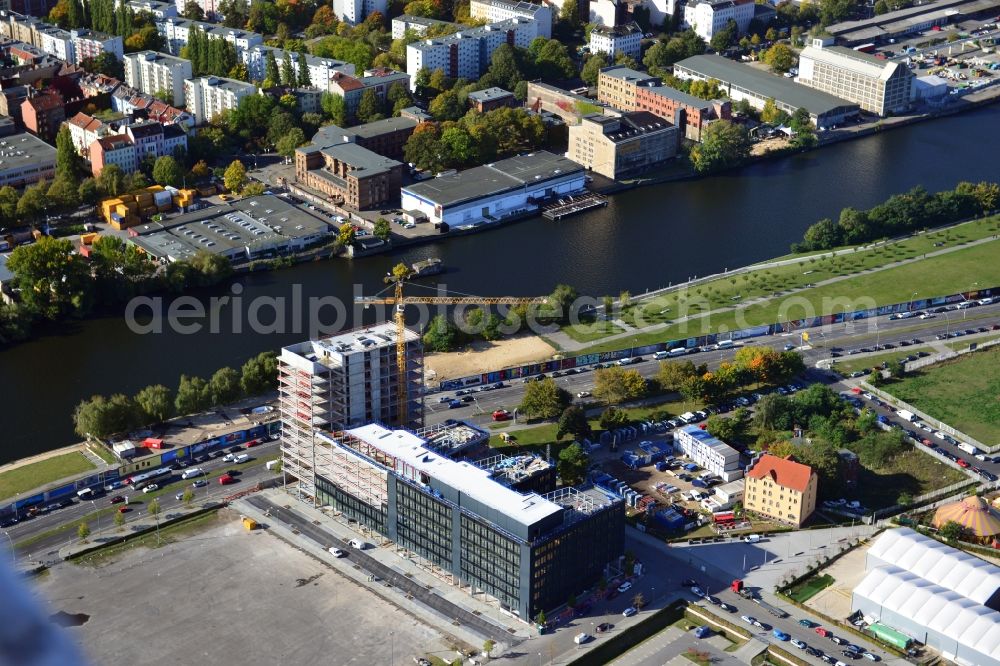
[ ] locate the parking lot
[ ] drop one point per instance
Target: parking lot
(227, 596)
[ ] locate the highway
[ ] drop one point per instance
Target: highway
(46, 548)
(849, 336)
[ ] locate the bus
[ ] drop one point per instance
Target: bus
(140, 480)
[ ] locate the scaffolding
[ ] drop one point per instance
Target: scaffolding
(451, 439)
(579, 502)
(303, 409)
(353, 473)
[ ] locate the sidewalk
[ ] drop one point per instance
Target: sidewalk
(567, 344)
(406, 570)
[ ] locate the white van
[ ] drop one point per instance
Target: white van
(724, 344)
(906, 415)
(191, 473)
(85, 494)
(660, 355)
(359, 544)
(677, 351)
(752, 538)
(241, 458)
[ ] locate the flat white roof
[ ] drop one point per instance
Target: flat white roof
(464, 477)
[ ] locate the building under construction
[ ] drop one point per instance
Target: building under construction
(343, 381)
(521, 549)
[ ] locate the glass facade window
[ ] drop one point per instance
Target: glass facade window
(424, 524)
(491, 561)
(352, 507)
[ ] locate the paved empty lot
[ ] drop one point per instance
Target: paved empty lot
(225, 596)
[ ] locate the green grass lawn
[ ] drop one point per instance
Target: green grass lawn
(941, 275)
(167, 535)
(875, 360)
(805, 591)
(29, 477)
(588, 332)
(104, 454)
(962, 392)
(912, 472)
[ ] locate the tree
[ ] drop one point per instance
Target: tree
(638, 601)
(55, 281)
(616, 385)
(370, 107)
(724, 145)
(573, 421)
(192, 395)
(271, 71)
(86, 192)
(772, 114)
(69, 164)
(875, 378)
(119, 519)
(592, 68)
(423, 148)
(672, 374)
(382, 230)
(288, 70)
(156, 403)
(346, 235)
(504, 68)
(613, 417)
(62, 193)
(287, 144)
(166, 171)
(722, 39)
(106, 63)
(544, 399)
(305, 80)
(102, 417)
(259, 374)
(193, 11)
(441, 334)
(897, 369)
(8, 203)
(569, 13)
(224, 386)
(951, 531)
(572, 465)
(335, 108)
(780, 58)
(446, 106)
(83, 531)
(488, 646)
(235, 177)
(187, 497)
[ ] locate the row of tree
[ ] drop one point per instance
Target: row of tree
(750, 365)
(477, 138)
(216, 57)
(902, 214)
(103, 417)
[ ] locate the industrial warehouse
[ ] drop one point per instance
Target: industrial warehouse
(493, 192)
(254, 228)
(921, 589)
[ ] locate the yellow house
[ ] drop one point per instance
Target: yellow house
(781, 489)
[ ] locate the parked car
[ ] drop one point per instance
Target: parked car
(604, 627)
(809, 624)
(799, 644)
(117, 499)
(226, 479)
(582, 638)
(200, 483)
(336, 552)
(780, 635)
(749, 619)
(630, 611)
(583, 394)
(625, 587)
(501, 415)
(150, 488)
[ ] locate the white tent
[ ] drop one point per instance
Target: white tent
(938, 563)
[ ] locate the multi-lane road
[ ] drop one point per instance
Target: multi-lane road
(43, 541)
(822, 342)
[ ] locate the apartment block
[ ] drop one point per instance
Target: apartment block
(467, 53)
(152, 72)
(419, 25)
(781, 489)
(494, 11)
(85, 130)
(522, 549)
(614, 40)
(208, 96)
(177, 32)
(155, 8)
(618, 146)
(43, 113)
(879, 86)
(321, 70)
(88, 44)
(707, 17)
(57, 42)
(356, 11)
(130, 144)
(708, 452)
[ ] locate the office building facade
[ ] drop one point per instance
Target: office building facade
(617, 146)
(522, 549)
(617, 86)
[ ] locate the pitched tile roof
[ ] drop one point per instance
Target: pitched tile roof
(783, 471)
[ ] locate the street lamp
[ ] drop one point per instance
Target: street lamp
(911, 301)
(13, 553)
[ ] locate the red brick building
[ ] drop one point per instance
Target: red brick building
(43, 114)
(685, 111)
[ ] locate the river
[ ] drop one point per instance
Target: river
(645, 239)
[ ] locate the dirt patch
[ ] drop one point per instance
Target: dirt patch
(482, 356)
(847, 572)
(767, 145)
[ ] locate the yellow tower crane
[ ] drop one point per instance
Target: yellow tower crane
(398, 276)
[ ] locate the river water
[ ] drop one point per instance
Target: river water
(645, 239)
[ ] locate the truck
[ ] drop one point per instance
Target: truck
(968, 448)
(906, 415)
